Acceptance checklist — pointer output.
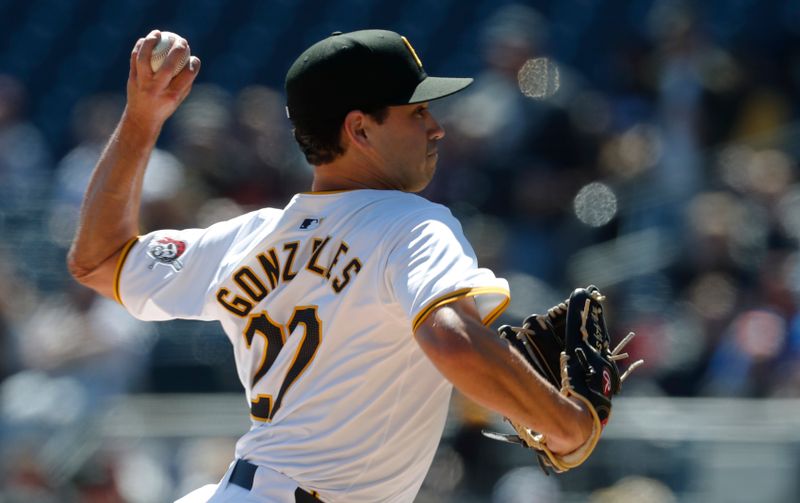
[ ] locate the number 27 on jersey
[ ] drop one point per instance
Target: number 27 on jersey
(264, 406)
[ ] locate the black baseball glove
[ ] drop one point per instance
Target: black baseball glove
(570, 347)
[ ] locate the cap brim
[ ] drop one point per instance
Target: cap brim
(433, 88)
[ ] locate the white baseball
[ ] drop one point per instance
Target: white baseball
(161, 50)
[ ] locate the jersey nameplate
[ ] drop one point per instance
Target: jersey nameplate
(274, 267)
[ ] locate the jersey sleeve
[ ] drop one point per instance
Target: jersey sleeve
(168, 274)
(433, 264)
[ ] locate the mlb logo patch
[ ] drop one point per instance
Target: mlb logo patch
(310, 223)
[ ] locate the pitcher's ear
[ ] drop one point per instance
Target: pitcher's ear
(354, 127)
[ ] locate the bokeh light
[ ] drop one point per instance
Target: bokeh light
(539, 78)
(595, 205)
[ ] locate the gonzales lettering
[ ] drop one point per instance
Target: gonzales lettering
(252, 283)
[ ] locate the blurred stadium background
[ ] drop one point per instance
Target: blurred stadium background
(648, 146)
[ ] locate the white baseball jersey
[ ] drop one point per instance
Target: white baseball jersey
(320, 301)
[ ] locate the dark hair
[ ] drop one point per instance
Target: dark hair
(319, 137)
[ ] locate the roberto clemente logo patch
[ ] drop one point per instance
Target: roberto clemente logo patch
(166, 251)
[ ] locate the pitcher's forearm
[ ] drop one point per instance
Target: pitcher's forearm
(526, 398)
(110, 210)
(490, 372)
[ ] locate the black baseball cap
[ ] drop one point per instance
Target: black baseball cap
(361, 70)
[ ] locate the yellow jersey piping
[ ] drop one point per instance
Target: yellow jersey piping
(464, 292)
(326, 192)
(120, 262)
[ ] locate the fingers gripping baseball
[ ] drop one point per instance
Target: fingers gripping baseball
(155, 95)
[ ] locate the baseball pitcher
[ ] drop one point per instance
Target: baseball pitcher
(354, 310)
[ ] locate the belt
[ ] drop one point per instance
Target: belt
(244, 471)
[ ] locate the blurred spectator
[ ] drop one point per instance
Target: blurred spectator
(93, 122)
(687, 67)
(79, 333)
(512, 150)
(635, 490)
(25, 165)
(279, 170)
(24, 157)
(202, 135)
(7, 350)
(202, 461)
(17, 296)
(24, 478)
(96, 481)
(526, 485)
(509, 120)
(74, 352)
